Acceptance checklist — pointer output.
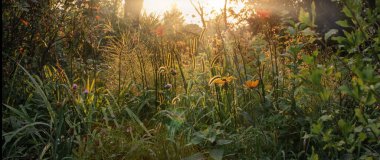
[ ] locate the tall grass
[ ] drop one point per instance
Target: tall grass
(270, 95)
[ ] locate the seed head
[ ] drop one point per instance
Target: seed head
(168, 86)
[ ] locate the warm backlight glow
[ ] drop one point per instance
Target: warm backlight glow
(160, 6)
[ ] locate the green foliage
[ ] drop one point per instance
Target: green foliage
(81, 82)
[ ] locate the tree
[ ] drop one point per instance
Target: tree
(173, 21)
(132, 10)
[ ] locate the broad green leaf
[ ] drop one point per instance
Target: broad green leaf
(196, 156)
(330, 33)
(304, 17)
(343, 23)
(344, 89)
(325, 118)
(308, 59)
(316, 76)
(371, 99)
(345, 127)
(217, 154)
(347, 12)
(196, 140)
(223, 142)
(212, 137)
(295, 49)
(308, 32)
(339, 39)
(316, 128)
(291, 30)
(201, 134)
(306, 136)
(362, 136)
(359, 115)
(314, 156)
(358, 129)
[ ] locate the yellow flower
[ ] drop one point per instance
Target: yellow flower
(228, 79)
(221, 80)
(252, 84)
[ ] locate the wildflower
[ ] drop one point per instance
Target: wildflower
(86, 91)
(75, 86)
(222, 81)
(168, 86)
(252, 84)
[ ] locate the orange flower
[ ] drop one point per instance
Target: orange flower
(252, 84)
(97, 17)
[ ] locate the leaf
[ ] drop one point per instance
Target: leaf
(362, 136)
(325, 118)
(196, 140)
(223, 142)
(371, 99)
(217, 154)
(342, 23)
(41, 93)
(291, 30)
(358, 129)
(339, 39)
(306, 136)
(196, 156)
(10, 135)
(325, 94)
(316, 128)
(359, 115)
(347, 12)
(295, 49)
(316, 76)
(308, 32)
(330, 33)
(344, 127)
(212, 137)
(344, 89)
(308, 59)
(304, 17)
(314, 156)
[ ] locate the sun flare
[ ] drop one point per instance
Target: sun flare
(211, 8)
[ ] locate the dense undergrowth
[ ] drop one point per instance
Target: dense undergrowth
(92, 86)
